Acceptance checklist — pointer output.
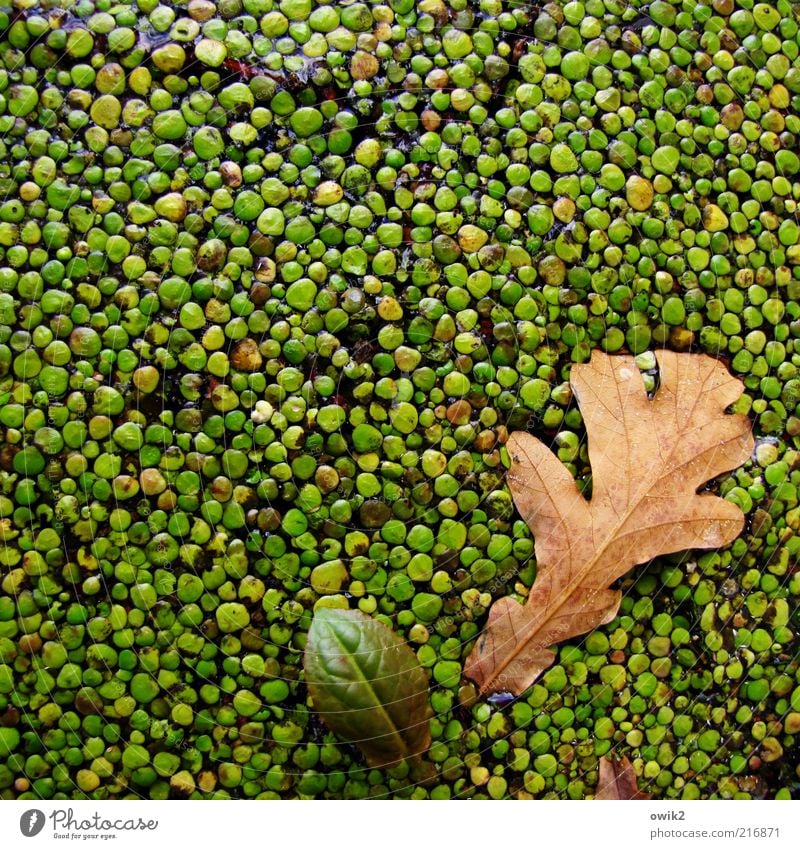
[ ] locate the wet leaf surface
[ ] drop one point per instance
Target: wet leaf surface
(367, 686)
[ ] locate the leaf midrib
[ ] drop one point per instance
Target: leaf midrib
(351, 656)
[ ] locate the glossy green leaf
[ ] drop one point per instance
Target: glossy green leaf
(367, 686)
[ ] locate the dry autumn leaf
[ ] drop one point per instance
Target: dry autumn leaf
(648, 458)
(617, 781)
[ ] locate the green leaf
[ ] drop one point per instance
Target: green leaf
(367, 686)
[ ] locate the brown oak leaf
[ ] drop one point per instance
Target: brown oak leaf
(648, 459)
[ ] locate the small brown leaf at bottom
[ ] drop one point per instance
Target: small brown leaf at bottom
(617, 781)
